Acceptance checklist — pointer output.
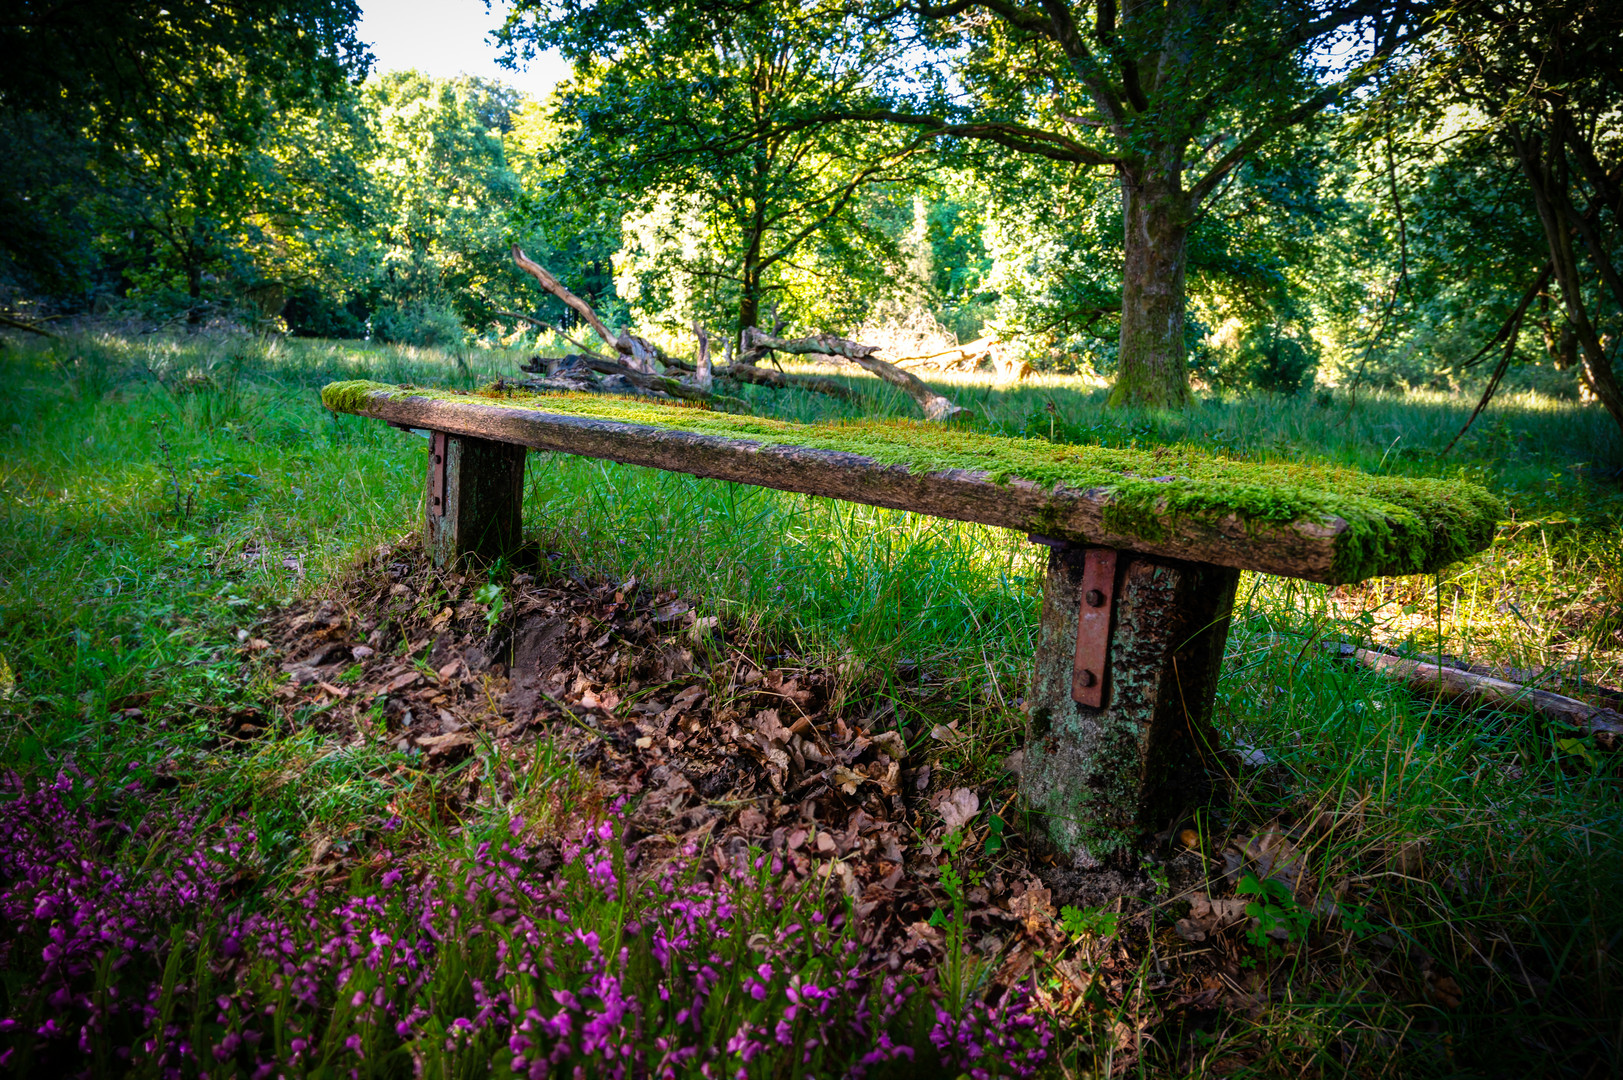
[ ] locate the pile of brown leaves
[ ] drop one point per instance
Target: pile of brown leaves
(712, 739)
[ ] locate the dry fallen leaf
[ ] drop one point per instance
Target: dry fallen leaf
(1208, 914)
(444, 744)
(847, 779)
(890, 782)
(891, 745)
(1276, 857)
(1443, 990)
(957, 807)
(1034, 907)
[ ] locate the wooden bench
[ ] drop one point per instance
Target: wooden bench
(1145, 553)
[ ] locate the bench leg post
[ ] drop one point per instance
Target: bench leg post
(1103, 780)
(474, 500)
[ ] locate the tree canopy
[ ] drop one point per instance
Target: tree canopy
(1263, 194)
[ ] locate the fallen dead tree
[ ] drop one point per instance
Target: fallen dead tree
(581, 373)
(1470, 688)
(965, 357)
(829, 347)
(635, 364)
(11, 323)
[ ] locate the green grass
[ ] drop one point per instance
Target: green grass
(158, 497)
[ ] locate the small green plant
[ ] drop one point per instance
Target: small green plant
(1089, 922)
(496, 597)
(1275, 910)
(1355, 920)
(958, 975)
(352, 673)
(1578, 748)
(994, 835)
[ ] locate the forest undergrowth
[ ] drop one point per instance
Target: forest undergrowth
(223, 856)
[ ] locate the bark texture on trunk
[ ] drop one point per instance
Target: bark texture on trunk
(1560, 219)
(1155, 215)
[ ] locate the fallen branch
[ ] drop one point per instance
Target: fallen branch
(1605, 724)
(642, 353)
(556, 288)
(531, 319)
(968, 355)
(779, 380)
(934, 405)
(702, 373)
(566, 374)
(544, 325)
(18, 324)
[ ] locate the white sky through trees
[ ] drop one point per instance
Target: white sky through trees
(449, 37)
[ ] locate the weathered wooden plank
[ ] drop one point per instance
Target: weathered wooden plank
(1104, 779)
(1314, 549)
(474, 500)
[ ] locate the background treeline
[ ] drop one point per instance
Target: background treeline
(174, 166)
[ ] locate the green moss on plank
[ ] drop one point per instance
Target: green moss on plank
(1395, 525)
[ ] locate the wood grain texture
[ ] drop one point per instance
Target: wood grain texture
(1302, 549)
(483, 501)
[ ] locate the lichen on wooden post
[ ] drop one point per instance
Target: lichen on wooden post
(1103, 780)
(475, 497)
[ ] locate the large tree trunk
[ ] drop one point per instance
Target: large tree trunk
(749, 276)
(1557, 216)
(1155, 214)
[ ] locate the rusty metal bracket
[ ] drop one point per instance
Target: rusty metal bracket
(1093, 627)
(436, 474)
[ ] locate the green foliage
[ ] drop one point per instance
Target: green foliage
(419, 322)
(1088, 922)
(158, 124)
(960, 973)
(1266, 358)
(495, 597)
(1276, 914)
(741, 191)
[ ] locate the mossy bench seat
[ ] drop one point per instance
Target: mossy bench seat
(1146, 549)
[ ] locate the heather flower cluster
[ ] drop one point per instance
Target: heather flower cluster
(993, 1037)
(512, 959)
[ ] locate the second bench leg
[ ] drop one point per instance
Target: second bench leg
(1102, 780)
(475, 498)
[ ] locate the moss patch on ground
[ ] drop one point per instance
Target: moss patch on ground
(1396, 525)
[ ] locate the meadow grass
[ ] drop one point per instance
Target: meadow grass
(158, 497)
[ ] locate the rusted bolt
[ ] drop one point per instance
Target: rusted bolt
(1095, 598)
(1089, 678)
